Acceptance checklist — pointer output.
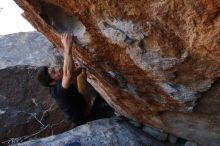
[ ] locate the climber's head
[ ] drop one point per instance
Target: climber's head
(55, 73)
(48, 75)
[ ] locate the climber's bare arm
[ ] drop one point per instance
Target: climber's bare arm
(67, 40)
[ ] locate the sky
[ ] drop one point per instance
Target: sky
(11, 20)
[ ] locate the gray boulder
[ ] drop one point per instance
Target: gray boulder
(115, 131)
(27, 48)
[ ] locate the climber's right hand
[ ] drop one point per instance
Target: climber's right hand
(67, 41)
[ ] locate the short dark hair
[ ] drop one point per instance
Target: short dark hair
(43, 76)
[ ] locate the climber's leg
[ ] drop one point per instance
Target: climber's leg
(98, 108)
(83, 88)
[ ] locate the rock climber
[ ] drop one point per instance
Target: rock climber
(70, 93)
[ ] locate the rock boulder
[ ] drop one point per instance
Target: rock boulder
(156, 62)
(105, 132)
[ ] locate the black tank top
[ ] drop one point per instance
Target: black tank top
(70, 101)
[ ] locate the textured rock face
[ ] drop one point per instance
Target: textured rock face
(26, 108)
(104, 132)
(153, 61)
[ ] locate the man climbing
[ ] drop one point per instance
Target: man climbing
(73, 98)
